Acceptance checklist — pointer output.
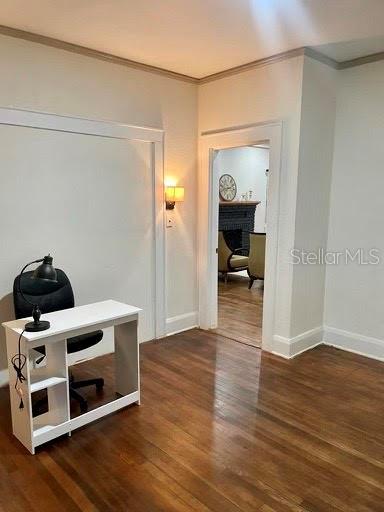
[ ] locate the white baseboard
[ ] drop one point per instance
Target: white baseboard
(353, 342)
(331, 336)
(181, 323)
(3, 377)
(291, 347)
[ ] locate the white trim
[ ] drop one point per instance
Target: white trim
(292, 347)
(109, 129)
(331, 336)
(353, 342)
(60, 123)
(182, 323)
(159, 234)
(4, 377)
(209, 143)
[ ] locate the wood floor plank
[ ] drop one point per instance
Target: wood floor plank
(240, 311)
(222, 427)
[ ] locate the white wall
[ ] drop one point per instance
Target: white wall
(297, 91)
(247, 166)
(313, 192)
(36, 77)
(354, 303)
(263, 94)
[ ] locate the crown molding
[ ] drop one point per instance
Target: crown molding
(360, 61)
(114, 59)
(96, 54)
(297, 52)
(313, 54)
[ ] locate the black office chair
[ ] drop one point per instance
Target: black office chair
(54, 296)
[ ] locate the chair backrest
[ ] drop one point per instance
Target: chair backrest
(48, 295)
(233, 238)
(224, 252)
(256, 261)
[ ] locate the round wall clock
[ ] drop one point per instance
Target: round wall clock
(227, 187)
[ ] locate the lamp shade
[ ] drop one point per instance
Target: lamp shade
(174, 194)
(46, 270)
(169, 193)
(179, 194)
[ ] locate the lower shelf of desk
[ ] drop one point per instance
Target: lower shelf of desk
(46, 383)
(44, 433)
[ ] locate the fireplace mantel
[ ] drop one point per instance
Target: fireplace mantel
(237, 203)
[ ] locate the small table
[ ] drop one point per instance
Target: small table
(32, 432)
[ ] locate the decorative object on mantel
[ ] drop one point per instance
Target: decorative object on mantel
(247, 196)
(227, 187)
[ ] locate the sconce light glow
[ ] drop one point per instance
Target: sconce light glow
(170, 182)
(173, 195)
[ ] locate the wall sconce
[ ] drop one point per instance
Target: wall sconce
(173, 195)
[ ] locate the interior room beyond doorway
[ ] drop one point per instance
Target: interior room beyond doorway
(243, 179)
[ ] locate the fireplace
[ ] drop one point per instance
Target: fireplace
(237, 220)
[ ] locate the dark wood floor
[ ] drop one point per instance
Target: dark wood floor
(222, 427)
(240, 311)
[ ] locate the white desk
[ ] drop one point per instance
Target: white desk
(33, 432)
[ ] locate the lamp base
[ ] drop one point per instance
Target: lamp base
(41, 325)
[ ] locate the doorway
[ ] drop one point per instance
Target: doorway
(210, 144)
(242, 173)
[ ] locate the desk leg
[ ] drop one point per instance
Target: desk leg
(58, 396)
(127, 359)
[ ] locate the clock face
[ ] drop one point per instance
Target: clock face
(227, 187)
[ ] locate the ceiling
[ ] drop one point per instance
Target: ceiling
(201, 37)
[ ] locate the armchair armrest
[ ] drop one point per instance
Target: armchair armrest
(237, 251)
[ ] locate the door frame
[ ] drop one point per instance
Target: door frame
(208, 206)
(114, 130)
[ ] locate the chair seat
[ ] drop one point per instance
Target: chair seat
(239, 261)
(83, 341)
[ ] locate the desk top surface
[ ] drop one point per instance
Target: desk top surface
(68, 320)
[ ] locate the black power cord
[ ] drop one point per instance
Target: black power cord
(18, 362)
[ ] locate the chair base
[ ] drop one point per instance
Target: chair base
(78, 384)
(41, 405)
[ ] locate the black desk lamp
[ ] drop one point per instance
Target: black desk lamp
(45, 272)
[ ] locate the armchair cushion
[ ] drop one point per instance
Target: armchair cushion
(237, 261)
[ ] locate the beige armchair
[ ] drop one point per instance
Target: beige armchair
(228, 260)
(256, 262)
